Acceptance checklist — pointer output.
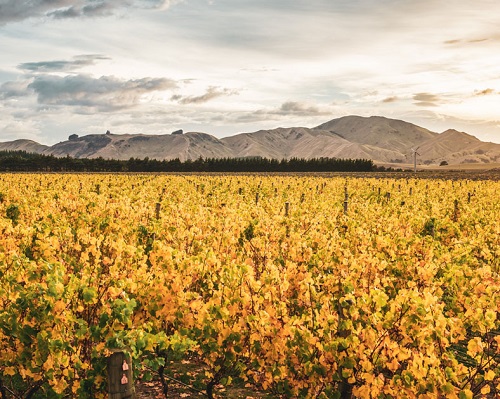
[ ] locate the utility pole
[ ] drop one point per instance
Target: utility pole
(415, 153)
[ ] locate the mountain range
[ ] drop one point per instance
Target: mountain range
(383, 140)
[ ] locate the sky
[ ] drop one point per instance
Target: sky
(225, 67)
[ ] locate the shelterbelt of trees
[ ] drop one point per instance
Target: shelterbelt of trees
(21, 161)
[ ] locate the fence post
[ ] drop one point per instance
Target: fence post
(120, 379)
(287, 208)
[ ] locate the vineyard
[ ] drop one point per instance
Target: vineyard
(293, 286)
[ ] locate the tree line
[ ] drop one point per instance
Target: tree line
(22, 161)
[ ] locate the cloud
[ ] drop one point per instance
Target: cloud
(62, 65)
(392, 99)
(426, 100)
(484, 92)
(299, 108)
(466, 41)
(289, 109)
(211, 93)
(478, 40)
(19, 10)
(104, 94)
(15, 89)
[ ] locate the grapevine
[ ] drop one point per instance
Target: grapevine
(395, 296)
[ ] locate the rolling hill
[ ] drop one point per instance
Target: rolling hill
(380, 139)
(23, 145)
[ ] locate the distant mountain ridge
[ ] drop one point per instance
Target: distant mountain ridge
(380, 139)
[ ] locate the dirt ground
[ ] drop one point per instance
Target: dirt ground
(153, 390)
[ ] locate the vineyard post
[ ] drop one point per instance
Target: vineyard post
(256, 198)
(120, 379)
(456, 211)
(346, 200)
(287, 208)
(343, 332)
(158, 208)
(411, 191)
(468, 197)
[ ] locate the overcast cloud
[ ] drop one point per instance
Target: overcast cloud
(18, 10)
(104, 94)
(226, 66)
(62, 65)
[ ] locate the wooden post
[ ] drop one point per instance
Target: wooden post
(456, 211)
(468, 197)
(411, 190)
(345, 387)
(256, 198)
(287, 208)
(120, 379)
(346, 200)
(302, 198)
(158, 207)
